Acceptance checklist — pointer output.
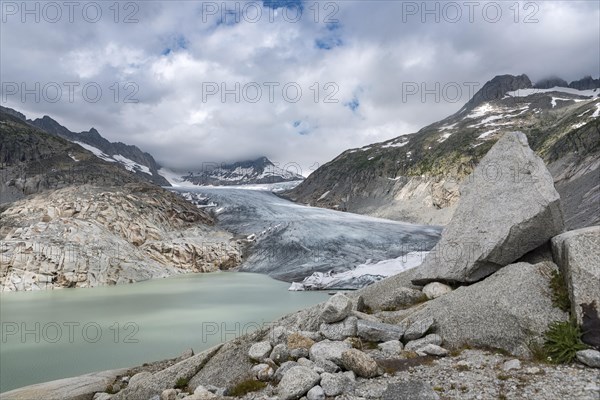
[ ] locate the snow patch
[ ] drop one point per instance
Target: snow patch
(445, 127)
(132, 165)
(97, 152)
(323, 195)
(596, 113)
(401, 144)
(480, 111)
(444, 137)
(73, 157)
(486, 134)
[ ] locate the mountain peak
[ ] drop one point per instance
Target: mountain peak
(497, 88)
(550, 82)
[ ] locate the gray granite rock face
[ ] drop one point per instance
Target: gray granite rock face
(379, 332)
(296, 382)
(508, 207)
(507, 310)
(577, 254)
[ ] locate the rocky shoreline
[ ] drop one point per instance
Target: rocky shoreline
(516, 316)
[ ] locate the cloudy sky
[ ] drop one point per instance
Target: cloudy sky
(299, 81)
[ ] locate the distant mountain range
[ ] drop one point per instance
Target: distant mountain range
(250, 172)
(130, 157)
(416, 177)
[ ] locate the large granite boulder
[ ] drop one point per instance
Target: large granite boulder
(508, 207)
(508, 310)
(577, 254)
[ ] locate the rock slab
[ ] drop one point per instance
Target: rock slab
(508, 207)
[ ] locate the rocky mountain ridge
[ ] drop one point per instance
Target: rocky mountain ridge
(417, 177)
(249, 172)
(130, 157)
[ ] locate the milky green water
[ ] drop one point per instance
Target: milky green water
(61, 333)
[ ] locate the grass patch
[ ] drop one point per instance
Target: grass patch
(563, 341)
(560, 294)
(463, 368)
(503, 377)
(245, 387)
(181, 383)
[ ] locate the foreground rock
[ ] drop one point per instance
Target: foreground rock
(297, 382)
(81, 387)
(508, 310)
(508, 207)
(577, 254)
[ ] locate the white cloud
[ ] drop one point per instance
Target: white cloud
(173, 52)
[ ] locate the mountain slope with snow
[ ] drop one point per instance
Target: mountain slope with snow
(417, 177)
(251, 172)
(130, 157)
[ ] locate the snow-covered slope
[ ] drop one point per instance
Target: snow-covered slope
(252, 172)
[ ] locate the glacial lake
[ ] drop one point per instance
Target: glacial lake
(84, 330)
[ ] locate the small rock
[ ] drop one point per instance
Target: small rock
(434, 290)
(511, 364)
(360, 363)
(415, 345)
(327, 366)
(392, 347)
(378, 332)
(336, 308)
(432, 350)
(339, 330)
(589, 357)
(296, 382)
(102, 396)
(298, 341)
(280, 354)
(284, 368)
(336, 384)
(278, 334)
(185, 355)
(263, 372)
(316, 393)
(328, 350)
(260, 351)
(202, 393)
(366, 317)
(169, 394)
(418, 328)
(532, 371)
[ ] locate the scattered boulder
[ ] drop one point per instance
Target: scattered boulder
(507, 310)
(260, 351)
(296, 382)
(202, 393)
(262, 372)
(577, 254)
(392, 347)
(508, 207)
(376, 296)
(280, 354)
(360, 363)
(336, 384)
(434, 290)
(336, 308)
(410, 390)
(316, 393)
(169, 394)
(432, 350)
(379, 332)
(328, 351)
(589, 357)
(283, 369)
(418, 328)
(416, 345)
(339, 330)
(400, 298)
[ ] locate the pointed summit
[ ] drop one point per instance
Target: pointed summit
(497, 88)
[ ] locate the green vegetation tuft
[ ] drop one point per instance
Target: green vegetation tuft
(245, 387)
(560, 294)
(181, 383)
(563, 341)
